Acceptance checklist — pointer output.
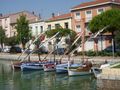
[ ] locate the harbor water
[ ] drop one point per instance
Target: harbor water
(40, 80)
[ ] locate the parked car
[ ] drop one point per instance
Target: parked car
(6, 50)
(0, 49)
(15, 49)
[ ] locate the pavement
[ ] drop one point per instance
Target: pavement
(8, 56)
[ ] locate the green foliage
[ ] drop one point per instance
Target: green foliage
(23, 32)
(117, 37)
(110, 17)
(2, 36)
(62, 32)
(11, 41)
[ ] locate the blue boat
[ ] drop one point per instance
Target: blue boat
(31, 66)
(63, 68)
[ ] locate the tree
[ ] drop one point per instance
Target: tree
(109, 19)
(69, 34)
(23, 32)
(11, 41)
(2, 36)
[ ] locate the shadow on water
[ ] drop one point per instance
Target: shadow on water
(40, 80)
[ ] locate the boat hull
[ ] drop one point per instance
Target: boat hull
(49, 67)
(62, 68)
(78, 73)
(31, 67)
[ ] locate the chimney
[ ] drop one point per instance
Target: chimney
(58, 14)
(39, 16)
(53, 14)
(33, 13)
(1, 15)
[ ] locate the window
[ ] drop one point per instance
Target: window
(49, 27)
(6, 23)
(77, 15)
(78, 28)
(36, 30)
(86, 27)
(89, 14)
(41, 28)
(57, 25)
(66, 25)
(100, 10)
(30, 28)
(0, 22)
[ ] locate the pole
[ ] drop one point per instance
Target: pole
(54, 52)
(113, 52)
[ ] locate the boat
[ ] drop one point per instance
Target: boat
(49, 67)
(62, 68)
(16, 65)
(31, 66)
(84, 69)
(97, 71)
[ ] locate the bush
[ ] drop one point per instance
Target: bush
(90, 53)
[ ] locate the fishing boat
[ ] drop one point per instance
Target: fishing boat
(16, 65)
(62, 68)
(31, 66)
(49, 67)
(84, 69)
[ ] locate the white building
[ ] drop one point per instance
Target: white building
(8, 21)
(37, 27)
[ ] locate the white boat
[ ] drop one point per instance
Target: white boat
(97, 71)
(85, 69)
(49, 67)
(63, 68)
(31, 66)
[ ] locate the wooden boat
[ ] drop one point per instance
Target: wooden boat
(31, 66)
(50, 66)
(62, 68)
(16, 64)
(85, 69)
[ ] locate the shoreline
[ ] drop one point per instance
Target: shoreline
(98, 59)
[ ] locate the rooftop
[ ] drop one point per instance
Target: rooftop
(94, 2)
(60, 17)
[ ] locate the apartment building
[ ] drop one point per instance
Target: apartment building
(63, 20)
(8, 22)
(37, 27)
(81, 16)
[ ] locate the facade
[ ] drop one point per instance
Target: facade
(8, 22)
(81, 16)
(37, 27)
(63, 20)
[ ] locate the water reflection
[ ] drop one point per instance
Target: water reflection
(39, 80)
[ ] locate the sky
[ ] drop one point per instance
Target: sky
(44, 7)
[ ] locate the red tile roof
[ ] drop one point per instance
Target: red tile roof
(94, 3)
(60, 17)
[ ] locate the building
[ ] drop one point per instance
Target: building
(8, 22)
(63, 20)
(37, 27)
(81, 16)
(56, 21)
